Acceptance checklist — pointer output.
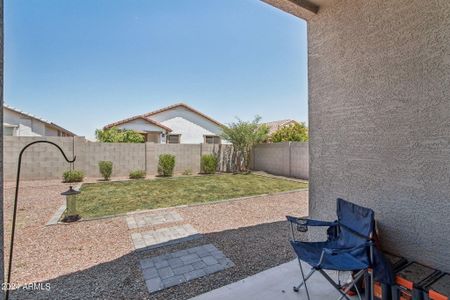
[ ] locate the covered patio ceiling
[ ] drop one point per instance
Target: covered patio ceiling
(305, 9)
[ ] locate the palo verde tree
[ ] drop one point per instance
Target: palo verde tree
(297, 132)
(244, 135)
(115, 135)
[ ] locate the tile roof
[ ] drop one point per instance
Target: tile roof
(275, 125)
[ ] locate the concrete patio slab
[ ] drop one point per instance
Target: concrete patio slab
(275, 283)
(167, 270)
(163, 237)
(150, 219)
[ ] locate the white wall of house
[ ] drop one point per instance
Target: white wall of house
(190, 125)
(20, 124)
(140, 125)
(50, 131)
(26, 126)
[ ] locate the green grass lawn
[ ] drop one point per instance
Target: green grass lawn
(110, 198)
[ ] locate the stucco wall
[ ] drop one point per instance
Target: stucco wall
(379, 116)
(28, 126)
(190, 125)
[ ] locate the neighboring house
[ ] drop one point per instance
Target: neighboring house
(19, 123)
(175, 124)
(275, 125)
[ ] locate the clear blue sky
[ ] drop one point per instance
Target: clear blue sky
(85, 63)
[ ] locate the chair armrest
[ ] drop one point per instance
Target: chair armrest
(346, 250)
(309, 222)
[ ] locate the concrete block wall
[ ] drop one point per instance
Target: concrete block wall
(43, 161)
(286, 159)
(125, 157)
(187, 156)
(39, 161)
(300, 160)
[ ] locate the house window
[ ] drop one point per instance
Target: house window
(212, 139)
(8, 131)
(173, 138)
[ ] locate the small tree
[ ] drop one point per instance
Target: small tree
(105, 169)
(115, 135)
(244, 135)
(297, 132)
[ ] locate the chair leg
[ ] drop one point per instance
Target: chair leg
(297, 288)
(367, 286)
(354, 282)
(371, 284)
(304, 279)
(337, 287)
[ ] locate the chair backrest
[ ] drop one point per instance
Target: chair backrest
(357, 222)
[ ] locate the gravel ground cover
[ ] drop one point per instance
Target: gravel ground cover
(95, 259)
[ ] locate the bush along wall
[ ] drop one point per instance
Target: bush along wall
(166, 164)
(105, 169)
(208, 163)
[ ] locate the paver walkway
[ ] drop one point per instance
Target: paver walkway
(174, 268)
(167, 270)
(151, 219)
(164, 236)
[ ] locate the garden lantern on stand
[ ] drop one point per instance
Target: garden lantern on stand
(71, 205)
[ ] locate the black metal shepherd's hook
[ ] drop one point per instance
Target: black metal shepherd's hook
(7, 285)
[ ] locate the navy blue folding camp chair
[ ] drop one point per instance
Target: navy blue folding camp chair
(349, 246)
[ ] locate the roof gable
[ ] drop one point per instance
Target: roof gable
(148, 117)
(152, 113)
(141, 117)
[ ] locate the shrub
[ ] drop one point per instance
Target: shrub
(115, 135)
(105, 169)
(137, 174)
(187, 172)
(73, 176)
(209, 163)
(166, 164)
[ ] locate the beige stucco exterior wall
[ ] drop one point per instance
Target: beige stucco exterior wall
(379, 116)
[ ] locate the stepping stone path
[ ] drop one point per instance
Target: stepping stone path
(146, 219)
(172, 269)
(164, 236)
(167, 270)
